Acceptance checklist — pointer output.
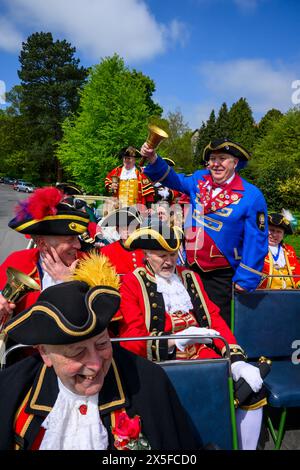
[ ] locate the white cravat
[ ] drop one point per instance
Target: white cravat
(280, 262)
(68, 429)
(128, 174)
(175, 295)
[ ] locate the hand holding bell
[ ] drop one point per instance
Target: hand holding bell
(114, 184)
(18, 284)
(155, 137)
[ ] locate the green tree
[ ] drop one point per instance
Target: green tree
(277, 159)
(154, 109)
(242, 126)
(267, 121)
(222, 123)
(14, 138)
(114, 112)
(207, 133)
(50, 80)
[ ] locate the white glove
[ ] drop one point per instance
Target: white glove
(193, 330)
(249, 373)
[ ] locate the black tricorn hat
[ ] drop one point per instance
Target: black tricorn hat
(169, 161)
(274, 218)
(122, 218)
(156, 236)
(69, 188)
(129, 151)
(71, 311)
(46, 212)
(226, 146)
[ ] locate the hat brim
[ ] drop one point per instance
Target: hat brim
(231, 148)
(148, 238)
(69, 313)
(63, 223)
(120, 218)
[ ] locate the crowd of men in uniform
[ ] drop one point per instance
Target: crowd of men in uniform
(163, 261)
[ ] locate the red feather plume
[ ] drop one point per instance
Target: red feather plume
(44, 201)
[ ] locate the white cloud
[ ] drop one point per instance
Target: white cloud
(10, 38)
(100, 27)
(263, 84)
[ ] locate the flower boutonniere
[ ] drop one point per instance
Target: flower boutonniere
(127, 433)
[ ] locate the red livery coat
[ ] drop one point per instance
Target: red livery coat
(142, 315)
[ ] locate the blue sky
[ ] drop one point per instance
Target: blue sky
(200, 53)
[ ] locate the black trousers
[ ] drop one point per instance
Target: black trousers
(218, 286)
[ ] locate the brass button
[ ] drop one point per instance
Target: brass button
(154, 305)
(197, 295)
(155, 317)
(153, 346)
(142, 273)
(204, 317)
(148, 284)
(151, 294)
(193, 286)
(188, 275)
(235, 350)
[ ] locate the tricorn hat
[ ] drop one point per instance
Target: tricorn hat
(227, 146)
(72, 311)
(46, 212)
(122, 218)
(69, 188)
(129, 152)
(279, 220)
(155, 236)
(169, 161)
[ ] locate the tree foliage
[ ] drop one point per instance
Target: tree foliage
(267, 121)
(50, 79)
(115, 109)
(276, 162)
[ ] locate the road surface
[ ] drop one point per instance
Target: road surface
(9, 239)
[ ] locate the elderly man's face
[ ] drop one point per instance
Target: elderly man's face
(162, 262)
(129, 162)
(81, 366)
(276, 235)
(221, 166)
(66, 246)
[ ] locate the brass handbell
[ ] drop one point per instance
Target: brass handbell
(155, 136)
(18, 284)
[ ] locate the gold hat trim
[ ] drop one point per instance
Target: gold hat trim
(154, 234)
(52, 217)
(226, 144)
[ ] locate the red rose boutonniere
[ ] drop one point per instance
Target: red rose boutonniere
(127, 433)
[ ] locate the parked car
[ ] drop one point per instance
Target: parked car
(18, 182)
(8, 180)
(25, 187)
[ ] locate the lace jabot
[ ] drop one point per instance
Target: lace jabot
(74, 423)
(175, 295)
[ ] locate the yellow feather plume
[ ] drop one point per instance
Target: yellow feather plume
(96, 270)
